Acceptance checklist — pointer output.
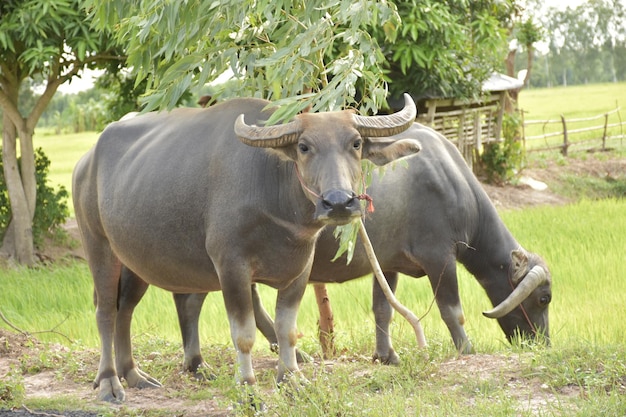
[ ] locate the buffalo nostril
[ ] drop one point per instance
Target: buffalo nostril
(337, 199)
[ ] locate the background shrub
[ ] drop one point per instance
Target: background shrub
(51, 208)
(501, 161)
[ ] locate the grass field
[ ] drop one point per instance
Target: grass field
(585, 257)
(583, 244)
(575, 102)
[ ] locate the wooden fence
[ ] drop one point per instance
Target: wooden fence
(582, 133)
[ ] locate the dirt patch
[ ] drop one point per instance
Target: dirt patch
(600, 166)
(468, 378)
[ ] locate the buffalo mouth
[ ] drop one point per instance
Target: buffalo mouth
(538, 336)
(338, 207)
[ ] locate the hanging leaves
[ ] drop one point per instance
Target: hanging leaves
(294, 53)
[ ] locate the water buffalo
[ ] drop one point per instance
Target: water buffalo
(432, 214)
(196, 200)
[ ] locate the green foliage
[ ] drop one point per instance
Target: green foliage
(35, 35)
(501, 161)
(529, 33)
(51, 209)
(279, 50)
(311, 53)
(446, 48)
(12, 390)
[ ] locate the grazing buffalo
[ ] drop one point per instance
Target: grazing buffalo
(196, 200)
(431, 215)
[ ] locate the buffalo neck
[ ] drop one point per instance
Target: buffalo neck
(488, 254)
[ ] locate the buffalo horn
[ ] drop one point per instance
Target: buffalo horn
(535, 278)
(268, 136)
(388, 125)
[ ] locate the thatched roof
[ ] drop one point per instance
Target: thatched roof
(501, 82)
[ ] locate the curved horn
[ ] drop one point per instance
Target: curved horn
(535, 278)
(268, 136)
(388, 125)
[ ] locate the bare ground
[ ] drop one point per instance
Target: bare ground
(532, 395)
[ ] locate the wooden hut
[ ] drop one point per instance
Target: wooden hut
(469, 123)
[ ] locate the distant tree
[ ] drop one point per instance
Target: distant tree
(49, 42)
(526, 34)
(587, 42)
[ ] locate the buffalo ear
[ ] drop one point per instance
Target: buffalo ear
(383, 150)
(519, 265)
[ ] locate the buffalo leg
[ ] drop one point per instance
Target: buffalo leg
(238, 301)
(265, 324)
(132, 290)
(106, 270)
(287, 304)
(383, 312)
(446, 289)
(263, 320)
(188, 307)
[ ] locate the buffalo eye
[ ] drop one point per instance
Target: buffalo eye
(357, 144)
(303, 147)
(545, 300)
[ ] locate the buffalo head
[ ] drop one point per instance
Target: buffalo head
(524, 312)
(327, 149)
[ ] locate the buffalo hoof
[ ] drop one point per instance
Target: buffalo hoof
(111, 390)
(203, 373)
(249, 402)
(292, 382)
(391, 358)
(136, 378)
(465, 348)
(301, 357)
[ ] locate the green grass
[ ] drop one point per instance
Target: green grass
(64, 151)
(575, 102)
(582, 243)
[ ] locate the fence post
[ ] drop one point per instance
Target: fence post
(606, 122)
(565, 142)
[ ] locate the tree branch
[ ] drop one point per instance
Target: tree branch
(25, 333)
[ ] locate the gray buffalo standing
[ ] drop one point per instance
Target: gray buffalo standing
(431, 215)
(196, 200)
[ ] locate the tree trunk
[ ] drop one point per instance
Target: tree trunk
(17, 242)
(18, 239)
(509, 63)
(511, 96)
